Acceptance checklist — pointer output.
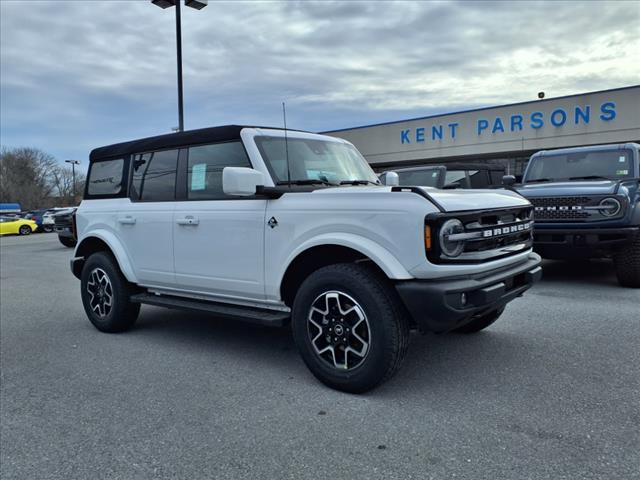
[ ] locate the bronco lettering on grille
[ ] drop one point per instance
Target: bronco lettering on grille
(494, 232)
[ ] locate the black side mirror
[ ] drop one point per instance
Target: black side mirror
(508, 180)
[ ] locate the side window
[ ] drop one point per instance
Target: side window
(154, 176)
(206, 162)
(105, 177)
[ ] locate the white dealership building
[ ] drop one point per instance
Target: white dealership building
(507, 134)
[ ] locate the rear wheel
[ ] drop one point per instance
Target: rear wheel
(481, 322)
(24, 230)
(67, 241)
(627, 262)
(106, 295)
(349, 326)
(47, 228)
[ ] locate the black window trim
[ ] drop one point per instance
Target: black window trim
(182, 175)
(124, 190)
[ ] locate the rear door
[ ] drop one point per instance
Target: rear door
(218, 239)
(146, 224)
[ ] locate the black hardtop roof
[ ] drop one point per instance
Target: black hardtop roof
(453, 166)
(587, 148)
(172, 140)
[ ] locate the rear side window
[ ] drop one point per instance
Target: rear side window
(206, 162)
(105, 177)
(154, 176)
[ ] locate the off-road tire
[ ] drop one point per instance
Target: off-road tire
(24, 230)
(627, 262)
(122, 313)
(67, 241)
(386, 319)
(480, 323)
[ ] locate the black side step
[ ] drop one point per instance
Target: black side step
(259, 316)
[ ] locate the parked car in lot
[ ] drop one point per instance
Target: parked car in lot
(48, 224)
(451, 175)
(38, 217)
(63, 226)
(587, 204)
(16, 226)
(271, 226)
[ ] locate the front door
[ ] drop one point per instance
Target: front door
(218, 239)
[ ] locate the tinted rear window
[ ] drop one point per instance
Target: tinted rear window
(105, 177)
(154, 176)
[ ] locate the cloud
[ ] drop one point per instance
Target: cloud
(75, 75)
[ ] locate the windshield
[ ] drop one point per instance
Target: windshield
(320, 160)
(614, 164)
(425, 178)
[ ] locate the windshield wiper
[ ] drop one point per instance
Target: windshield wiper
(538, 180)
(589, 177)
(308, 181)
(358, 182)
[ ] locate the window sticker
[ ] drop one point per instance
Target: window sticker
(434, 174)
(198, 176)
(622, 172)
(622, 159)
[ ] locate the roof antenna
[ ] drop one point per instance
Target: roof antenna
(286, 143)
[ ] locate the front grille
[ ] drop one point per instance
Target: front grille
(62, 221)
(560, 208)
(503, 230)
(489, 235)
(571, 209)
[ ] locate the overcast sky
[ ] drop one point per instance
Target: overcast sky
(85, 73)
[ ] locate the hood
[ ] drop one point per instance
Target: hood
(564, 189)
(468, 199)
(451, 200)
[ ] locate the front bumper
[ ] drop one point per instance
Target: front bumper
(578, 242)
(437, 305)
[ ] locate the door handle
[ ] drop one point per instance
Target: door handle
(128, 220)
(188, 220)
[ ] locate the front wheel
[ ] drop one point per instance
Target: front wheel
(627, 262)
(47, 228)
(24, 230)
(349, 326)
(106, 295)
(481, 322)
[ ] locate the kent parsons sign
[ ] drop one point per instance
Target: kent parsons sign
(607, 116)
(496, 125)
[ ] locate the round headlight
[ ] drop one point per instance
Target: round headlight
(611, 207)
(451, 248)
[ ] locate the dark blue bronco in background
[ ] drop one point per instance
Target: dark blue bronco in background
(587, 204)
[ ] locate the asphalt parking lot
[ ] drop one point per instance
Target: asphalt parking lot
(551, 391)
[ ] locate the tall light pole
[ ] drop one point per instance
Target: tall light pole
(73, 170)
(198, 5)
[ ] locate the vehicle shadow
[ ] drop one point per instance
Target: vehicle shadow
(579, 272)
(433, 361)
(204, 333)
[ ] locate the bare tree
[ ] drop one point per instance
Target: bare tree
(63, 182)
(26, 176)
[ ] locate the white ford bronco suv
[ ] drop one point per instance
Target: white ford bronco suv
(272, 226)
